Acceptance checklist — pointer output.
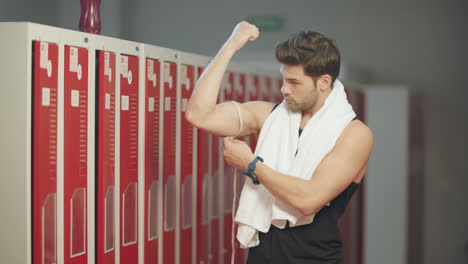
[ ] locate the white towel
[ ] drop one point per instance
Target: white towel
(277, 145)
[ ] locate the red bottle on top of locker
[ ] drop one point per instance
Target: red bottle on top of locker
(90, 18)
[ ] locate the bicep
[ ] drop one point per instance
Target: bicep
(225, 119)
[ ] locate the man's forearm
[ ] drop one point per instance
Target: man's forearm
(295, 192)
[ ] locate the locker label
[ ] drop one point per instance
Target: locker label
(167, 104)
(107, 69)
(73, 59)
(184, 104)
(107, 101)
(124, 66)
(44, 59)
(125, 102)
(185, 79)
(150, 70)
(167, 74)
(151, 104)
(75, 98)
(45, 96)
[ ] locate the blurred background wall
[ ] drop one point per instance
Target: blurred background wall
(419, 44)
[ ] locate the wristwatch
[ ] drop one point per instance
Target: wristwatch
(251, 167)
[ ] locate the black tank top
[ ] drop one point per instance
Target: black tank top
(316, 243)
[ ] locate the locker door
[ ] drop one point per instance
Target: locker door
(278, 97)
(228, 95)
(204, 154)
(266, 89)
(240, 92)
(75, 154)
(105, 125)
(187, 169)
(169, 179)
(215, 214)
(253, 88)
(44, 160)
(128, 159)
(152, 160)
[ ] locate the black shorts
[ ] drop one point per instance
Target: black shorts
(297, 245)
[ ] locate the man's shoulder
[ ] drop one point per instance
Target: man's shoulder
(356, 134)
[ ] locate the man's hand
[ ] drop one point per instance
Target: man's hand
(242, 33)
(237, 153)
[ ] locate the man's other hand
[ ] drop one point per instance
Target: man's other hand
(237, 153)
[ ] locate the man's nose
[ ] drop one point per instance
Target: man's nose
(285, 90)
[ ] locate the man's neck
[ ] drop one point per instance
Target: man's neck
(307, 114)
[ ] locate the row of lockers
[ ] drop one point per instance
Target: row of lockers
(187, 188)
(45, 72)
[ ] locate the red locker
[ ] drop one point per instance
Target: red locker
(128, 159)
(240, 89)
(75, 154)
(266, 89)
(44, 178)
(151, 237)
(253, 88)
(105, 125)
(228, 95)
(240, 93)
(204, 154)
(187, 171)
(277, 95)
(169, 180)
(214, 253)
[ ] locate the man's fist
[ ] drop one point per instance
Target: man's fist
(242, 33)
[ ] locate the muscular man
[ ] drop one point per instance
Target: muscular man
(310, 64)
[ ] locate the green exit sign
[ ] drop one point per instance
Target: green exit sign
(267, 23)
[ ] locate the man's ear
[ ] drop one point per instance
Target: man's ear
(324, 82)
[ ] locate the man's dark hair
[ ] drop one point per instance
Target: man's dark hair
(318, 54)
